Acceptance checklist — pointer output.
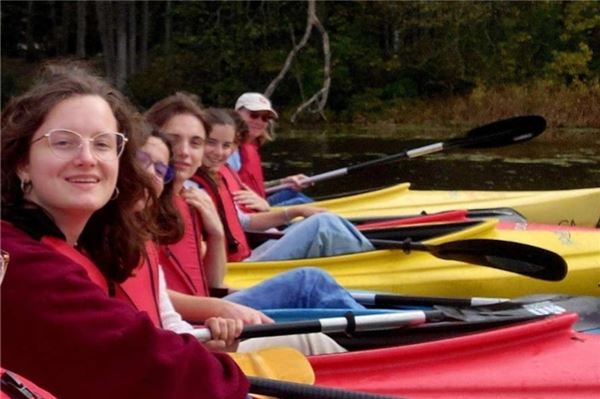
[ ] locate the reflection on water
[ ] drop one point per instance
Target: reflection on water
(551, 161)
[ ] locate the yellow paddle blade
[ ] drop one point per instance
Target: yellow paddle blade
(285, 364)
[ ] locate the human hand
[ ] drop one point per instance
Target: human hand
(297, 182)
(224, 333)
(250, 199)
(247, 315)
(201, 201)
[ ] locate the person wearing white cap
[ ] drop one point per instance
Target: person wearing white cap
(257, 111)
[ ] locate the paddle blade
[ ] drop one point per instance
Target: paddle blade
(515, 257)
(285, 364)
(501, 133)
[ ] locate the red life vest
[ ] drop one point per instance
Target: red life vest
(182, 262)
(234, 183)
(251, 171)
(15, 386)
(237, 246)
(139, 290)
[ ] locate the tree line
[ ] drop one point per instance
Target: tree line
(380, 53)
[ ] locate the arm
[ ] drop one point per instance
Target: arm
(197, 309)
(215, 259)
(266, 220)
(64, 332)
(224, 331)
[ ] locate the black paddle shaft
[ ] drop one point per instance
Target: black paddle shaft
(497, 134)
(347, 324)
(514, 257)
(293, 390)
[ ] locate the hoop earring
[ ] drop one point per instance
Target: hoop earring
(115, 194)
(26, 186)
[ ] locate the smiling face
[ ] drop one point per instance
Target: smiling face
(257, 122)
(83, 184)
(219, 146)
(186, 134)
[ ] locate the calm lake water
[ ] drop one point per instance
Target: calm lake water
(557, 159)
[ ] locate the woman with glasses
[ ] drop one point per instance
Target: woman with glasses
(256, 111)
(191, 266)
(154, 298)
(147, 290)
(70, 179)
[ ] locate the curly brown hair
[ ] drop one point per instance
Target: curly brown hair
(110, 239)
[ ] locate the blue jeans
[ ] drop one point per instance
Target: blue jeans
(322, 234)
(304, 287)
(287, 196)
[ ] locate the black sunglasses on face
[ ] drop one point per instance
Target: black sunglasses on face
(164, 172)
(264, 116)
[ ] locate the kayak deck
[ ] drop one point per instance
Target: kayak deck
(539, 359)
(570, 207)
(420, 273)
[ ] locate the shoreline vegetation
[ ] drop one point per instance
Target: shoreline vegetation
(379, 65)
(571, 108)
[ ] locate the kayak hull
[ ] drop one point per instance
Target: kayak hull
(539, 359)
(578, 207)
(420, 273)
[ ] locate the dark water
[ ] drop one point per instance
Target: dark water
(554, 160)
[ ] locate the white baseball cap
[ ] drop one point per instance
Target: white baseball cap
(255, 102)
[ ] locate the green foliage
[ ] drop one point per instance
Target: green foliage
(384, 54)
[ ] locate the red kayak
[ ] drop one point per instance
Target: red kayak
(539, 359)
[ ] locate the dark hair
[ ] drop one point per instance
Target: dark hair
(230, 117)
(170, 225)
(220, 116)
(109, 238)
(179, 103)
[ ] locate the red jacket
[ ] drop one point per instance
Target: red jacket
(237, 246)
(251, 171)
(61, 330)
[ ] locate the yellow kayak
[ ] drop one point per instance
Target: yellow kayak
(580, 207)
(420, 273)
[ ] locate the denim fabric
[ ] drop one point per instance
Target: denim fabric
(305, 287)
(322, 234)
(287, 196)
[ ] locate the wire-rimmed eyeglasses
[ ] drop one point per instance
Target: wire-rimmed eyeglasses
(162, 171)
(66, 144)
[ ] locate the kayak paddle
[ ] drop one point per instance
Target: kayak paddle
(293, 390)
(286, 373)
(500, 213)
(351, 323)
(370, 299)
(496, 134)
(524, 259)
